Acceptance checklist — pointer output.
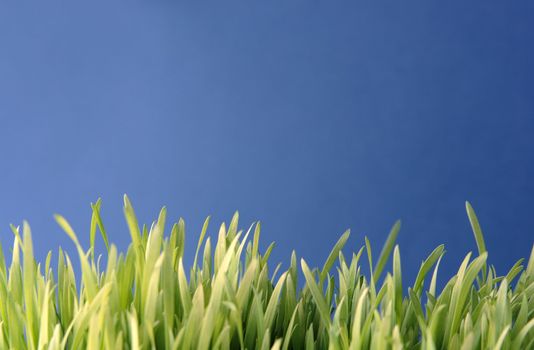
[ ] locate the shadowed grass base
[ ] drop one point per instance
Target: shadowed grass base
(144, 299)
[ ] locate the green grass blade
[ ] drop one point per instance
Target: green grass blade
(333, 255)
(322, 306)
(386, 250)
(477, 231)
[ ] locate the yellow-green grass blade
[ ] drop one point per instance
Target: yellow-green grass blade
(477, 231)
(386, 250)
(317, 294)
(333, 256)
(96, 220)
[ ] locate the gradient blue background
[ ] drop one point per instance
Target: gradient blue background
(312, 116)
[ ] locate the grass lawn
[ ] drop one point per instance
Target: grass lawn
(145, 299)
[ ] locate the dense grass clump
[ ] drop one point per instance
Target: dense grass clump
(144, 299)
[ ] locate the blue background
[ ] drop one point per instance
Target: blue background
(312, 116)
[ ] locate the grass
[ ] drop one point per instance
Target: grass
(144, 299)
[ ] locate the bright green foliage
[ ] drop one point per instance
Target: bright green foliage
(144, 299)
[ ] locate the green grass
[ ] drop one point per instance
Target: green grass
(145, 299)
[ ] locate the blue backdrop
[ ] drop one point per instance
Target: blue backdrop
(311, 116)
